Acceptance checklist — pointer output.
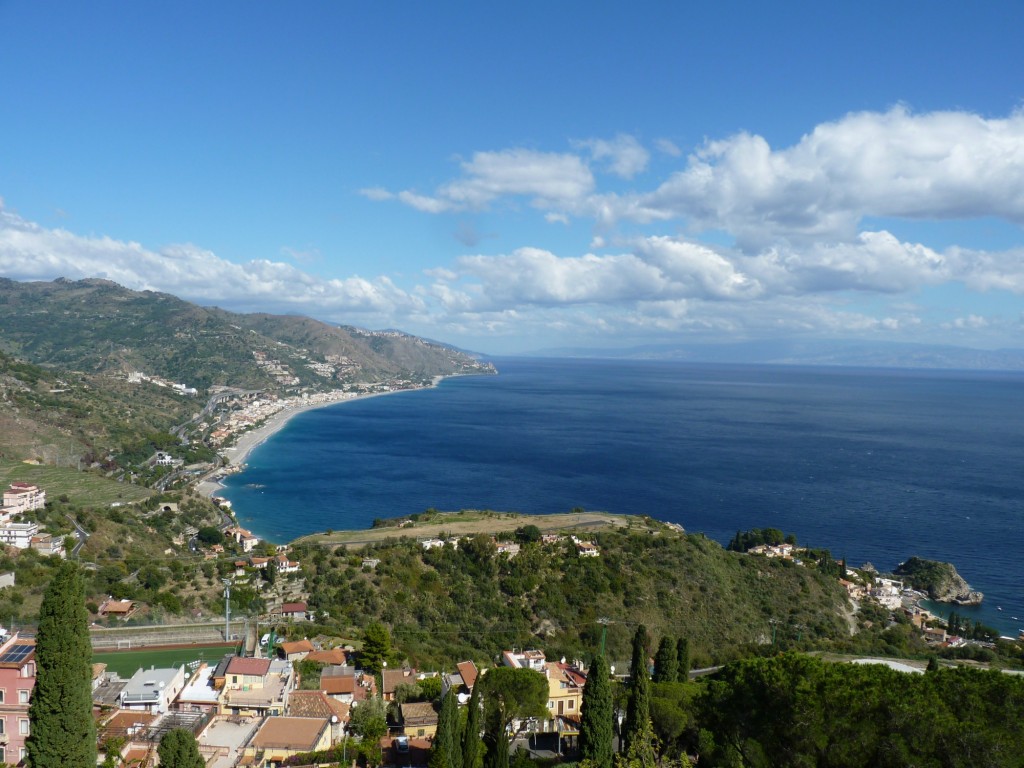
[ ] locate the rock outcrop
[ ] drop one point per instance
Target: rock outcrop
(940, 580)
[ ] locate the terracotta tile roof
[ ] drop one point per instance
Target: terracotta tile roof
(468, 672)
(337, 685)
(293, 608)
(333, 656)
(299, 646)
(298, 733)
(392, 678)
(316, 704)
(240, 666)
(419, 713)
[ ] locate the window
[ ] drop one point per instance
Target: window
(23, 697)
(572, 704)
(2, 691)
(23, 726)
(3, 723)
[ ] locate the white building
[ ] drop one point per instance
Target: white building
(153, 690)
(18, 534)
(22, 497)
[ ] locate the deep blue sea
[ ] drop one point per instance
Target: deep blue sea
(876, 465)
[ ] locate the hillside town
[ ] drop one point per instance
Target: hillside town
(268, 700)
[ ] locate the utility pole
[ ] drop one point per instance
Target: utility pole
(227, 609)
(604, 631)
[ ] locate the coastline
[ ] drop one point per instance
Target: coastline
(248, 441)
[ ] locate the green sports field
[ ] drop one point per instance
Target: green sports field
(127, 663)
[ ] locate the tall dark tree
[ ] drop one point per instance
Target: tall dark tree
(178, 749)
(666, 663)
(509, 694)
(447, 746)
(60, 713)
(376, 647)
(638, 707)
(682, 659)
(472, 747)
(596, 716)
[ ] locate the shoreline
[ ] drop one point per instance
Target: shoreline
(236, 455)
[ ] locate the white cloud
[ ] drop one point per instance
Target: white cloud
(668, 147)
(940, 165)
(376, 193)
(550, 180)
(624, 156)
(31, 252)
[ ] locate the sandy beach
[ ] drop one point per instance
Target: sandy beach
(244, 445)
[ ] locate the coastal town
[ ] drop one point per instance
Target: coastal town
(269, 698)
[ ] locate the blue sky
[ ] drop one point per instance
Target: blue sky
(532, 175)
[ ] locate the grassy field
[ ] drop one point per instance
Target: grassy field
(126, 663)
(472, 522)
(81, 487)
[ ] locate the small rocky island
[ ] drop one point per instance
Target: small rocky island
(940, 580)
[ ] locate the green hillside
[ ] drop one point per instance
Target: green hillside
(449, 603)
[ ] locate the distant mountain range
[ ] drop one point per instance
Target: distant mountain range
(97, 326)
(814, 352)
(73, 354)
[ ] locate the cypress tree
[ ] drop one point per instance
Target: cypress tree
(472, 747)
(178, 749)
(60, 714)
(596, 716)
(447, 741)
(638, 706)
(682, 660)
(666, 663)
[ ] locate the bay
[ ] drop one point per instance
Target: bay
(877, 465)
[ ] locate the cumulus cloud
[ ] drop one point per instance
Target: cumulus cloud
(939, 165)
(31, 252)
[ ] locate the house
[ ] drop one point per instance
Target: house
(24, 497)
(524, 660)
(17, 679)
(392, 678)
(279, 738)
(243, 538)
(418, 718)
(587, 549)
(256, 687)
(121, 609)
(294, 611)
(284, 565)
(199, 694)
(347, 684)
(335, 657)
(295, 651)
(18, 534)
(565, 695)
(509, 548)
(461, 681)
(48, 544)
(319, 705)
(153, 690)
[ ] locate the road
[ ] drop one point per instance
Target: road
(83, 536)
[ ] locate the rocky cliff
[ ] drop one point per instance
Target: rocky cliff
(940, 580)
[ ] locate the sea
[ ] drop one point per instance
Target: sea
(876, 465)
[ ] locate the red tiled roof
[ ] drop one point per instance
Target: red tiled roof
(255, 667)
(338, 684)
(333, 656)
(299, 646)
(468, 672)
(293, 608)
